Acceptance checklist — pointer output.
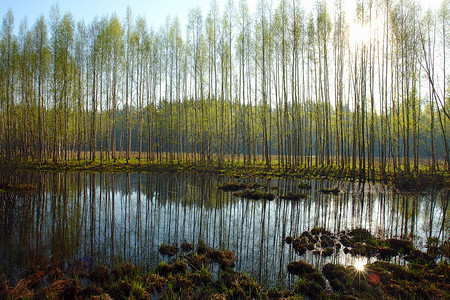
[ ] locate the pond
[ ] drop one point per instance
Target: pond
(106, 218)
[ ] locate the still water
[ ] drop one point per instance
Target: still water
(106, 218)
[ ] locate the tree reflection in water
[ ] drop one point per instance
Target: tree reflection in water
(102, 218)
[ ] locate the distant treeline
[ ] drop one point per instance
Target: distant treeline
(283, 86)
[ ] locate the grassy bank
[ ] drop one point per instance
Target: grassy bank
(190, 271)
(420, 179)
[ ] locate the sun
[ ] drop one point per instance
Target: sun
(359, 265)
(359, 34)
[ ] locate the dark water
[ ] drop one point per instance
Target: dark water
(104, 218)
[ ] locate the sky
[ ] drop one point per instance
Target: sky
(154, 11)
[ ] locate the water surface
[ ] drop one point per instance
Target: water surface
(106, 218)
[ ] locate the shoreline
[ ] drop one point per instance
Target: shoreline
(418, 180)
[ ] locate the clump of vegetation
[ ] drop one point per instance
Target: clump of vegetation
(299, 246)
(334, 191)
(433, 247)
(169, 250)
(164, 269)
(418, 181)
(293, 196)
(100, 275)
(179, 267)
(401, 246)
(360, 235)
(327, 252)
(326, 240)
(254, 195)
(445, 248)
(289, 239)
(304, 186)
(126, 270)
(196, 261)
(21, 187)
(63, 289)
(313, 289)
(300, 268)
(319, 230)
(186, 247)
(379, 280)
(191, 277)
(202, 248)
(232, 186)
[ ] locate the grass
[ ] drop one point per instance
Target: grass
(419, 180)
(179, 279)
(293, 196)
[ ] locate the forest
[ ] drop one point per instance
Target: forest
(276, 152)
(281, 87)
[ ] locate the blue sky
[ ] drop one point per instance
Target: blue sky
(154, 11)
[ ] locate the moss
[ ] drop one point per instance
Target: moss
(433, 249)
(336, 275)
(4, 286)
(334, 191)
(311, 289)
(64, 289)
(202, 248)
(100, 275)
(232, 186)
(156, 282)
(380, 280)
(359, 249)
(168, 250)
(164, 269)
(304, 186)
(445, 248)
(20, 187)
(205, 275)
(300, 268)
(318, 230)
(401, 246)
(385, 253)
(426, 178)
(226, 264)
(326, 241)
(289, 240)
(419, 257)
(360, 235)
(293, 196)
(126, 270)
(398, 272)
(119, 290)
(90, 291)
(254, 195)
(186, 247)
(215, 255)
(196, 261)
(138, 291)
(179, 266)
(327, 252)
(307, 234)
(299, 246)
(418, 181)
